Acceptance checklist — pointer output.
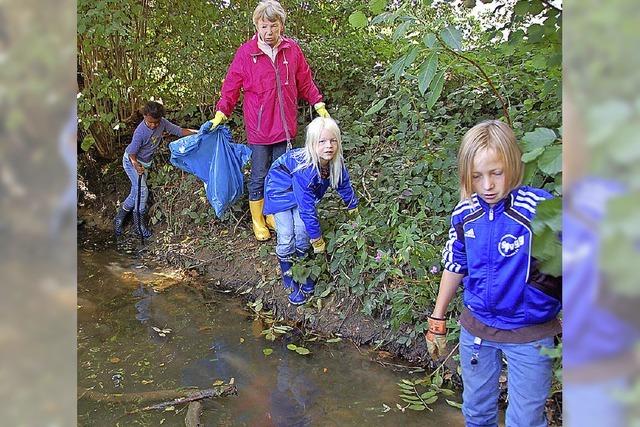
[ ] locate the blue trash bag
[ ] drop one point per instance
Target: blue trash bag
(216, 160)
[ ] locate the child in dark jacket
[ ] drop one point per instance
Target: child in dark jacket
(294, 185)
(510, 306)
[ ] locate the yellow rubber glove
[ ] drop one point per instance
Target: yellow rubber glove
(353, 212)
(319, 246)
(321, 110)
(217, 119)
(436, 337)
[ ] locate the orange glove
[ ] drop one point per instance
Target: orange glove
(436, 337)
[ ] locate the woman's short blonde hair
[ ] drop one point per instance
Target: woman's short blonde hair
(269, 10)
(495, 135)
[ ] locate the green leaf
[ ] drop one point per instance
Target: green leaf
(87, 142)
(532, 155)
(332, 340)
(451, 37)
(427, 71)
(541, 137)
(428, 394)
(454, 404)
(436, 89)
(377, 6)
(411, 56)
(376, 107)
(267, 351)
(429, 40)
(292, 347)
(302, 350)
(358, 19)
(401, 30)
(550, 162)
(418, 407)
(430, 400)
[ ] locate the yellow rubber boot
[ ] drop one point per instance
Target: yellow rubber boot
(271, 222)
(259, 227)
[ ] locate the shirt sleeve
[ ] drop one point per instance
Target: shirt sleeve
(454, 254)
(345, 190)
(136, 142)
(173, 129)
(306, 201)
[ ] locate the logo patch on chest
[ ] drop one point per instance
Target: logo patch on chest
(509, 245)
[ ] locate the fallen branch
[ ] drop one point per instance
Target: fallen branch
(153, 396)
(226, 390)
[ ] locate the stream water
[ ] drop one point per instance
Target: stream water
(133, 339)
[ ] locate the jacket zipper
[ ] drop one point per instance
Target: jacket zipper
(260, 116)
(489, 274)
(281, 102)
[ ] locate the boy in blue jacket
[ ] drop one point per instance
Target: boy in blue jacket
(510, 306)
(294, 185)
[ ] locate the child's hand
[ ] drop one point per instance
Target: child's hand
(139, 168)
(319, 246)
(436, 337)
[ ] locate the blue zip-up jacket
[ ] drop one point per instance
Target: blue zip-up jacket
(491, 247)
(285, 188)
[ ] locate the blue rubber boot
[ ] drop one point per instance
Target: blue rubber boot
(309, 286)
(296, 296)
(287, 278)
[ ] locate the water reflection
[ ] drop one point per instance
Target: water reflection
(121, 333)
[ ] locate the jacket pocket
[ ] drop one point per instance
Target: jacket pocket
(260, 111)
(539, 307)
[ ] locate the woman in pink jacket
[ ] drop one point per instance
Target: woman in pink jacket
(273, 74)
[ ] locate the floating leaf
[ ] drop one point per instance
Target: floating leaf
(267, 351)
(338, 339)
(292, 347)
(302, 350)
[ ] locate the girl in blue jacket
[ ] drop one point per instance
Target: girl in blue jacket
(510, 306)
(294, 185)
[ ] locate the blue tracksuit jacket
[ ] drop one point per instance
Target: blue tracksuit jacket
(491, 246)
(285, 189)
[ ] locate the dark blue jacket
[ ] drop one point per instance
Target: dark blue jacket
(285, 188)
(491, 247)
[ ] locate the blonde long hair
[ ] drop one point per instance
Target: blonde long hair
(308, 156)
(495, 135)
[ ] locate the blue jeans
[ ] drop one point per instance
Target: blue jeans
(528, 377)
(291, 234)
(130, 202)
(262, 156)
